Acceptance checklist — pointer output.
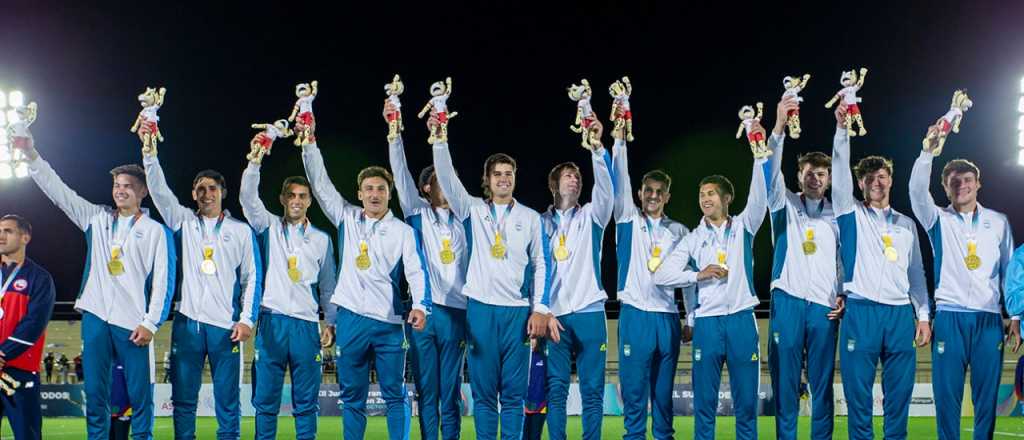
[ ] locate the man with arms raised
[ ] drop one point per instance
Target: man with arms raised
(438, 351)
(724, 330)
(885, 288)
(972, 246)
(220, 297)
(26, 303)
(300, 269)
(508, 277)
(649, 328)
(126, 289)
(805, 308)
(578, 328)
(372, 243)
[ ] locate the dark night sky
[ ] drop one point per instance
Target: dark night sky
(226, 67)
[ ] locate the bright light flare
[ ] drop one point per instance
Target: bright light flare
(1020, 158)
(3, 99)
(5, 171)
(21, 170)
(12, 116)
(16, 99)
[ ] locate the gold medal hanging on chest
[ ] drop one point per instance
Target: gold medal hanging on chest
(447, 255)
(889, 250)
(208, 267)
(498, 249)
(654, 262)
(115, 266)
(294, 273)
(809, 246)
(363, 259)
(972, 260)
(722, 257)
(561, 252)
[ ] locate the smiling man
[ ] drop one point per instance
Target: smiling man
(300, 269)
(126, 289)
(649, 327)
(884, 283)
(972, 245)
(373, 248)
(718, 257)
(508, 277)
(220, 297)
(805, 307)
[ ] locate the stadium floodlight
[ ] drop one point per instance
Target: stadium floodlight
(1020, 158)
(12, 162)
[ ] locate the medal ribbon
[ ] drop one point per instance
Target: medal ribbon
(807, 209)
(499, 226)
(563, 227)
(131, 224)
(890, 219)
(653, 232)
(722, 254)
(207, 243)
(446, 232)
(10, 279)
(285, 227)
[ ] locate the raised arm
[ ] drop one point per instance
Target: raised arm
(331, 202)
(173, 213)
(79, 210)
(753, 213)
(249, 196)
(458, 198)
(602, 197)
(918, 286)
(161, 291)
(777, 190)
(540, 256)
(326, 283)
(842, 174)
(415, 266)
(921, 200)
(408, 191)
(251, 280)
(623, 207)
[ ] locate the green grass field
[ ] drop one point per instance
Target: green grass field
(921, 428)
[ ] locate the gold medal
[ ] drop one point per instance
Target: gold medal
(294, 273)
(809, 246)
(972, 260)
(208, 267)
(115, 266)
(363, 260)
(722, 257)
(447, 255)
(498, 249)
(561, 252)
(889, 250)
(654, 262)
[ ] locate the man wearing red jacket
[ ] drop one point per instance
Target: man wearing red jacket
(26, 303)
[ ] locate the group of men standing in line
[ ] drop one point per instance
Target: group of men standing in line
(487, 274)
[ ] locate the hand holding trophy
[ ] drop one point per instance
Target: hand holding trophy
(751, 122)
(793, 88)
(936, 137)
(586, 122)
(851, 85)
(146, 122)
(393, 107)
(302, 113)
(261, 144)
(437, 123)
(621, 115)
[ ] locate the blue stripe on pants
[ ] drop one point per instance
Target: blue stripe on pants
(360, 339)
(192, 342)
(499, 360)
(438, 355)
(801, 331)
(648, 355)
(731, 340)
(871, 332)
(286, 342)
(23, 408)
(586, 337)
(102, 342)
(961, 339)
